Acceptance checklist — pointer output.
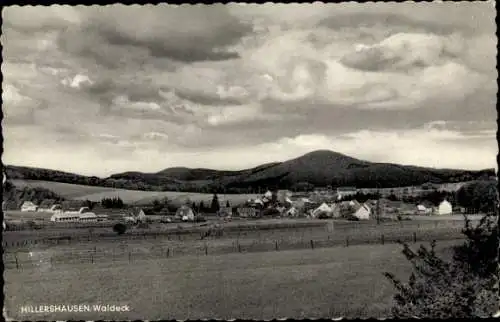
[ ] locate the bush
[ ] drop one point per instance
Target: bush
(464, 287)
(120, 228)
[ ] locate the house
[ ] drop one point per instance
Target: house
(323, 210)
(258, 202)
(247, 212)
(28, 206)
(444, 208)
(268, 195)
(89, 216)
(65, 217)
(346, 191)
(185, 213)
(423, 210)
(138, 214)
(363, 212)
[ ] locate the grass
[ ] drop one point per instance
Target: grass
(330, 282)
(81, 192)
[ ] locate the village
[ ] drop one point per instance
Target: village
(347, 203)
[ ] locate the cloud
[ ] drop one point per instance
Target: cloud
(158, 31)
(245, 78)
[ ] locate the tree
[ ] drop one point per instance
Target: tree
(464, 287)
(201, 206)
(215, 206)
(228, 205)
(120, 228)
(478, 196)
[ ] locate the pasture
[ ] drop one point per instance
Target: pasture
(135, 197)
(325, 282)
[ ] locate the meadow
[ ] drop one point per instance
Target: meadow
(136, 197)
(324, 282)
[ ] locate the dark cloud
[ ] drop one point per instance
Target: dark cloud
(206, 98)
(186, 34)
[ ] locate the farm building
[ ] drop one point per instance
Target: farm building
(268, 195)
(65, 217)
(444, 208)
(185, 213)
(28, 206)
(247, 212)
(322, 211)
(89, 216)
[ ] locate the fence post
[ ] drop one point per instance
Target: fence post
(129, 255)
(276, 245)
(168, 252)
(206, 249)
(414, 237)
(312, 244)
(347, 241)
(17, 262)
(92, 258)
(382, 239)
(239, 247)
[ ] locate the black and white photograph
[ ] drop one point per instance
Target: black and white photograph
(250, 161)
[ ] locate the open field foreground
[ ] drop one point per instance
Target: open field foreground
(328, 282)
(92, 193)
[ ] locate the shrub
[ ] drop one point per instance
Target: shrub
(464, 287)
(120, 228)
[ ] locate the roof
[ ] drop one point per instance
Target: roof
(28, 203)
(88, 215)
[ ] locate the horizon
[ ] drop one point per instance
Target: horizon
(231, 87)
(237, 169)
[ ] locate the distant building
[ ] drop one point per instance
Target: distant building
(343, 192)
(268, 195)
(28, 206)
(225, 212)
(291, 212)
(423, 210)
(185, 213)
(444, 208)
(362, 212)
(138, 214)
(65, 217)
(247, 212)
(322, 210)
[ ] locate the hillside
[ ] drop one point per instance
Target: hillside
(320, 168)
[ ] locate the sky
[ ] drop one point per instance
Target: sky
(100, 90)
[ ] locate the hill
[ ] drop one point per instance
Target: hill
(319, 168)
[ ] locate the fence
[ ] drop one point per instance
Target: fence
(173, 249)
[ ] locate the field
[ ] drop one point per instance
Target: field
(327, 282)
(257, 269)
(81, 192)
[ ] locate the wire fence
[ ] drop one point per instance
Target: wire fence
(165, 248)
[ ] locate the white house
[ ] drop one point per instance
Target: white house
(65, 217)
(322, 209)
(185, 213)
(268, 195)
(444, 208)
(88, 216)
(28, 206)
(363, 212)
